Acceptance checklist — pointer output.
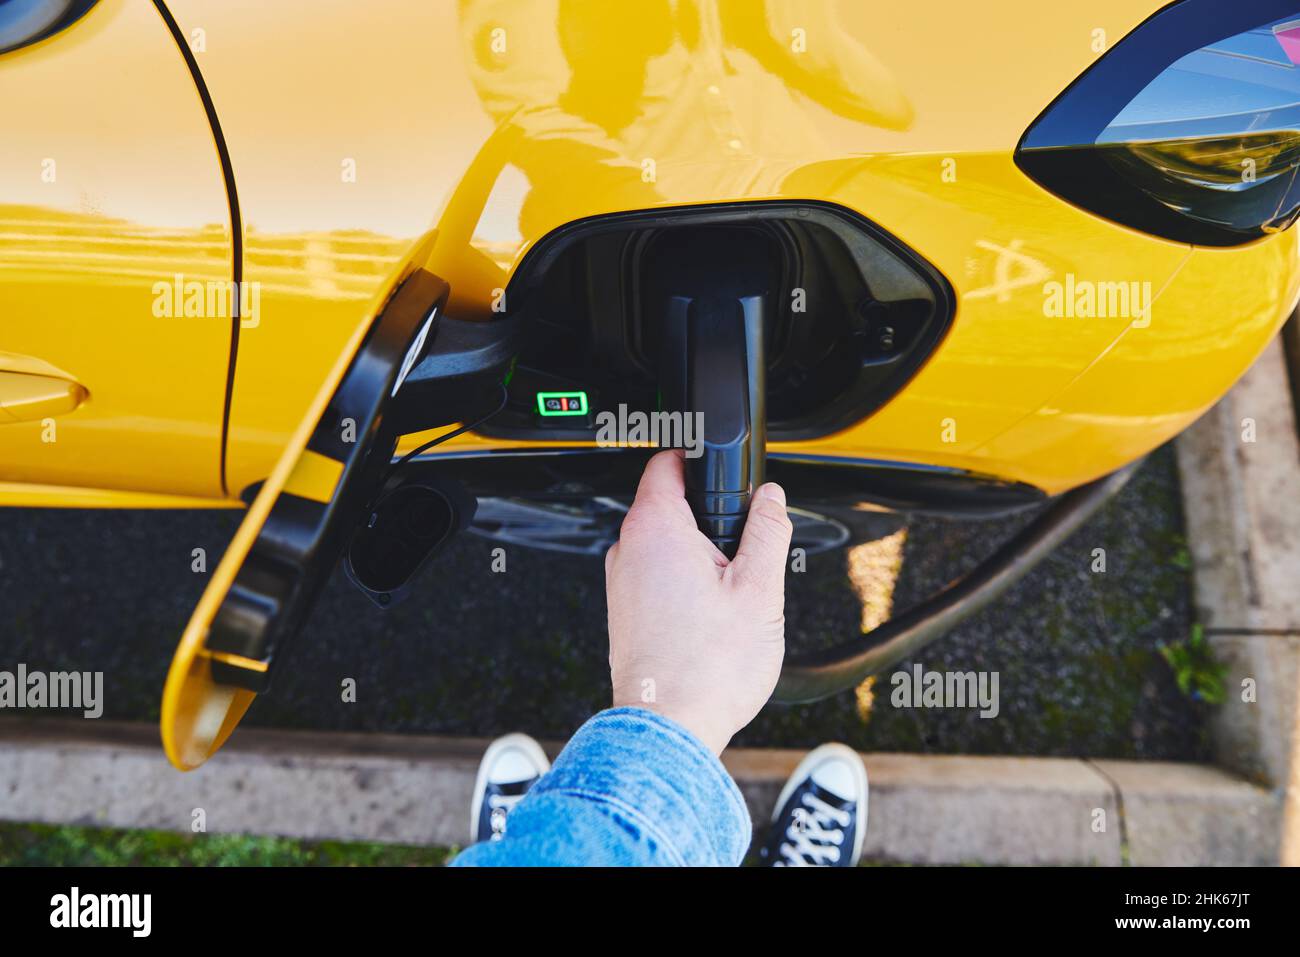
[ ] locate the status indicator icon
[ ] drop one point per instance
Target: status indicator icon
(561, 403)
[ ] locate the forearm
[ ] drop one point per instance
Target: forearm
(630, 788)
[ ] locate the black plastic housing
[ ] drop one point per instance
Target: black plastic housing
(713, 298)
(405, 529)
(853, 315)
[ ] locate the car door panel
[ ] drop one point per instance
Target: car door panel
(115, 250)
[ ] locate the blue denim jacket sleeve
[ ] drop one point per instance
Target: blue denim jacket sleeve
(630, 788)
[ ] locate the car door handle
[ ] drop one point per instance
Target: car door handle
(24, 396)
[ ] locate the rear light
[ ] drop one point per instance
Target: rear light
(24, 22)
(1188, 129)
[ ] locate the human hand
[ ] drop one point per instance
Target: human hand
(692, 636)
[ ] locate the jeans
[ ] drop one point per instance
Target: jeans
(630, 788)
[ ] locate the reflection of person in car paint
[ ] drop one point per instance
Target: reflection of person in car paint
(691, 106)
(696, 644)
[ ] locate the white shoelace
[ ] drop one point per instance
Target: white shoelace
(816, 831)
(499, 806)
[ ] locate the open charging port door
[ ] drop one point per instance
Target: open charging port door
(325, 487)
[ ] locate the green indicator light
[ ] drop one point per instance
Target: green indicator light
(561, 403)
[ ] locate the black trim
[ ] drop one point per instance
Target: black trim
(1058, 150)
(299, 544)
(1079, 114)
(236, 223)
(848, 225)
(461, 372)
(578, 474)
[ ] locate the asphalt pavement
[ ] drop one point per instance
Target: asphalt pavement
(479, 652)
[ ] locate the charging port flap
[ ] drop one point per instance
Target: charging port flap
(323, 485)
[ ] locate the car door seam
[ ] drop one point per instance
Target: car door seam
(236, 225)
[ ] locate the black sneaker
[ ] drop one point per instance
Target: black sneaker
(821, 816)
(510, 766)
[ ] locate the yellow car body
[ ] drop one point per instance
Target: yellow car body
(356, 130)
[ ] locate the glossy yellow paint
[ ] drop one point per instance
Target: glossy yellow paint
(29, 495)
(354, 128)
(1206, 328)
(109, 183)
(315, 477)
(199, 714)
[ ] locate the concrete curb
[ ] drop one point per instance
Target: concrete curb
(411, 789)
(1240, 471)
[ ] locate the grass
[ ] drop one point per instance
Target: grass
(47, 845)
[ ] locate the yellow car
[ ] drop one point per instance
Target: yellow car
(967, 259)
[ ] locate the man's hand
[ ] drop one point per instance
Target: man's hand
(692, 636)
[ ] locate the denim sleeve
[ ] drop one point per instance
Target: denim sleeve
(630, 788)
